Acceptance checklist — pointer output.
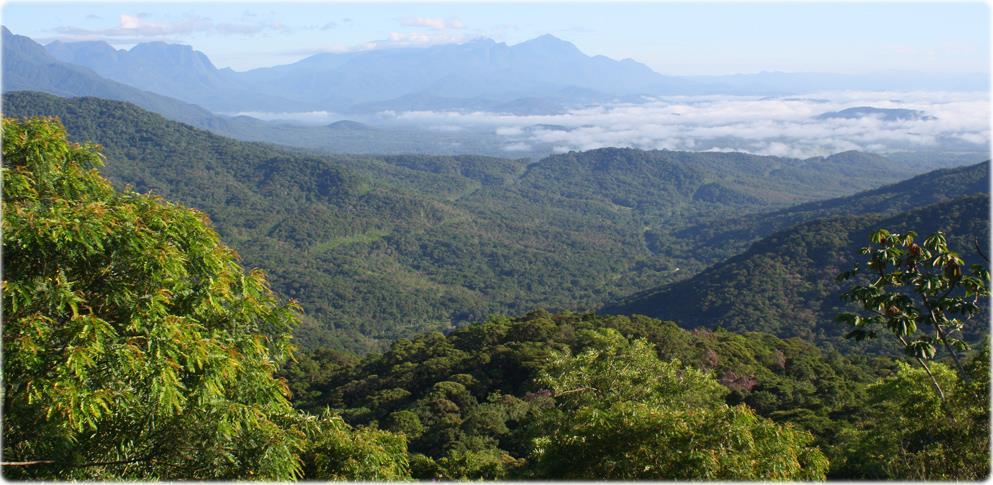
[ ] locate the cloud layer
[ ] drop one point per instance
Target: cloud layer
(784, 126)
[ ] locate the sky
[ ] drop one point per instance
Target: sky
(702, 38)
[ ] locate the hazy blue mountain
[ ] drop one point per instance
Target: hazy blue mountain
(172, 70)
(886, 114)
(28, 66)
(481, 71)
(538, 76)
(543, 74)
(349, 125)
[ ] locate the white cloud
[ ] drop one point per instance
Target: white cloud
(140, 27)
(516, 147)
(433, 23)
(773, 126)
(509, 130)
(447, 128)
(415, 39)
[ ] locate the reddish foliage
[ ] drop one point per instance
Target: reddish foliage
(737, 382)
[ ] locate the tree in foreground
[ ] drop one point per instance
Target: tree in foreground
(921, 293)
(930, 422)
(621, 413)
(136, 347)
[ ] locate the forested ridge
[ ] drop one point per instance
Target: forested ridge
(376, 248)
(785, 283)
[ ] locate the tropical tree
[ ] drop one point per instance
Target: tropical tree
(921, 293)
(134, 344)
(621, 413)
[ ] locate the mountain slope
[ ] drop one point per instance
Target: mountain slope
(472, 389)
(784, 284)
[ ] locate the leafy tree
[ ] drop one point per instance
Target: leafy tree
(921, 293)
(336, 451)
(136, 347)
(623, 414)
(904, 432)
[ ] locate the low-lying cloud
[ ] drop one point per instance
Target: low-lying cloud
(784, 126)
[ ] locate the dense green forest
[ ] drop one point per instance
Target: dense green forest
(474, 403)
(930, 188)
(137, 347)
(377, 248)
(785, 283)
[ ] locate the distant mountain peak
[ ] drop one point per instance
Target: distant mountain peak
(481, 40)
(549, 38)
(161, 47)
(548, 42)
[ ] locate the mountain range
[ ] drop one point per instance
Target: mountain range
(27, 66)
(542, 75)
(430, 78)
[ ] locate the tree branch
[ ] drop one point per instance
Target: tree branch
(578, 389)
(979, 250)
(74, 465)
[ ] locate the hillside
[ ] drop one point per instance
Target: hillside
(785, 283)
(181, 355)
(930, 188)
(380, 247)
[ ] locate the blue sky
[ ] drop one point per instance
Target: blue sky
(672, 38)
